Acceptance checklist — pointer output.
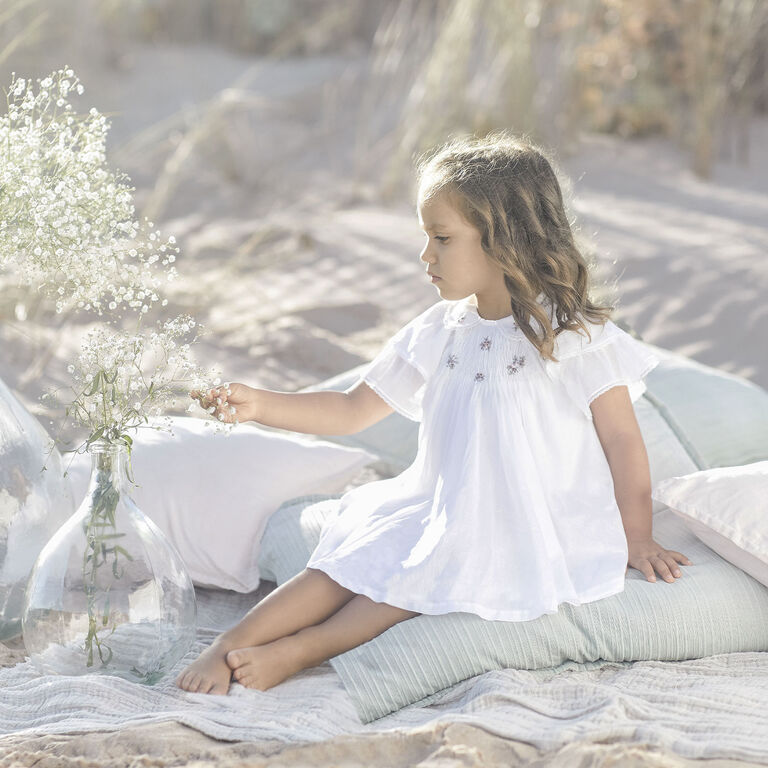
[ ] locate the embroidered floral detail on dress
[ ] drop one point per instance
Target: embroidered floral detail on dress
(485, 343)
(462, 316)
(452, 360)
(517, 362)
(479, 377)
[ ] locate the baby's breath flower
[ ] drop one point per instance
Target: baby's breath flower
(68, 220)
(68, 227)
(122, 379)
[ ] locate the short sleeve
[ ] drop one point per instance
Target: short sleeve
(400, 372)
(588, 368)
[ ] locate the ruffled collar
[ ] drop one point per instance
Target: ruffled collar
(463, 314)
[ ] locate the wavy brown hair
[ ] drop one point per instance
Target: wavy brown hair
(506, 188)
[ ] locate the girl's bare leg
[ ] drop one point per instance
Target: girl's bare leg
(358, 621)
(308, 598)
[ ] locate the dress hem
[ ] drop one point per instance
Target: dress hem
(488, 614)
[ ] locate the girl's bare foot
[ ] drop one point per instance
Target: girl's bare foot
(264, 666)
(208, 673)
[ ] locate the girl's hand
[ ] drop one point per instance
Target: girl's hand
(235, 406)
(646, 554)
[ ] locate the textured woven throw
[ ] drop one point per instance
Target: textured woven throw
(703, 708)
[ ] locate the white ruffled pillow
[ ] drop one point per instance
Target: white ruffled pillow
(726, 508)
(211, 493)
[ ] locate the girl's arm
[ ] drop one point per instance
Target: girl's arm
(316, 413)
(622, 442)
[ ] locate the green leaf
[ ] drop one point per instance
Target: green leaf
(123, 552)
(96, 435)
(95, 385)
(101, 655)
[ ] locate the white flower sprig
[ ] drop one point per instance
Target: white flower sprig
(66, 220)
(122, 380)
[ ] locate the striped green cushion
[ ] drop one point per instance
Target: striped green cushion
(696, 615)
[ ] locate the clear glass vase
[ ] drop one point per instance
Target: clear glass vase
(33, 503)
(109, 593)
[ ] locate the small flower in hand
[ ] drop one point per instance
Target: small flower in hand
(230, 403)
(646, 554)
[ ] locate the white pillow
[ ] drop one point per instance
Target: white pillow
(211, 493)
(727, 508)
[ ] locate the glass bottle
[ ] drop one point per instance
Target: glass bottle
(33, 503)
(109, 593)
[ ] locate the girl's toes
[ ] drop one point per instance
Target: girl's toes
(234, 659)
(239, 674)
(219, 690)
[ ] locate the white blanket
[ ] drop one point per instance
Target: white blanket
(704, 708)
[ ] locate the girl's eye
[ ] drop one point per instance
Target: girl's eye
(441, 238)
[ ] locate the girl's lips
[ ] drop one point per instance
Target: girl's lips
(434, 278)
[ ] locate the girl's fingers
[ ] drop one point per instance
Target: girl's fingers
(215, 402)
(674, 567)
(645, 567)
(667, 568)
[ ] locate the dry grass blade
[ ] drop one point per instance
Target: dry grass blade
(27, 35)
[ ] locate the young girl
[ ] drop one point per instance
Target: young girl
(531, 484)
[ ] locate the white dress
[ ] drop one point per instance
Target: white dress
(508, 508)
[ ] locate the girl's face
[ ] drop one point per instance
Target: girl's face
(454, 254)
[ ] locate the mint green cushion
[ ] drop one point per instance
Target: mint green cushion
(713, 608)
(720, 419)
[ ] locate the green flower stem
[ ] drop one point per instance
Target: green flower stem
(101, 536)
